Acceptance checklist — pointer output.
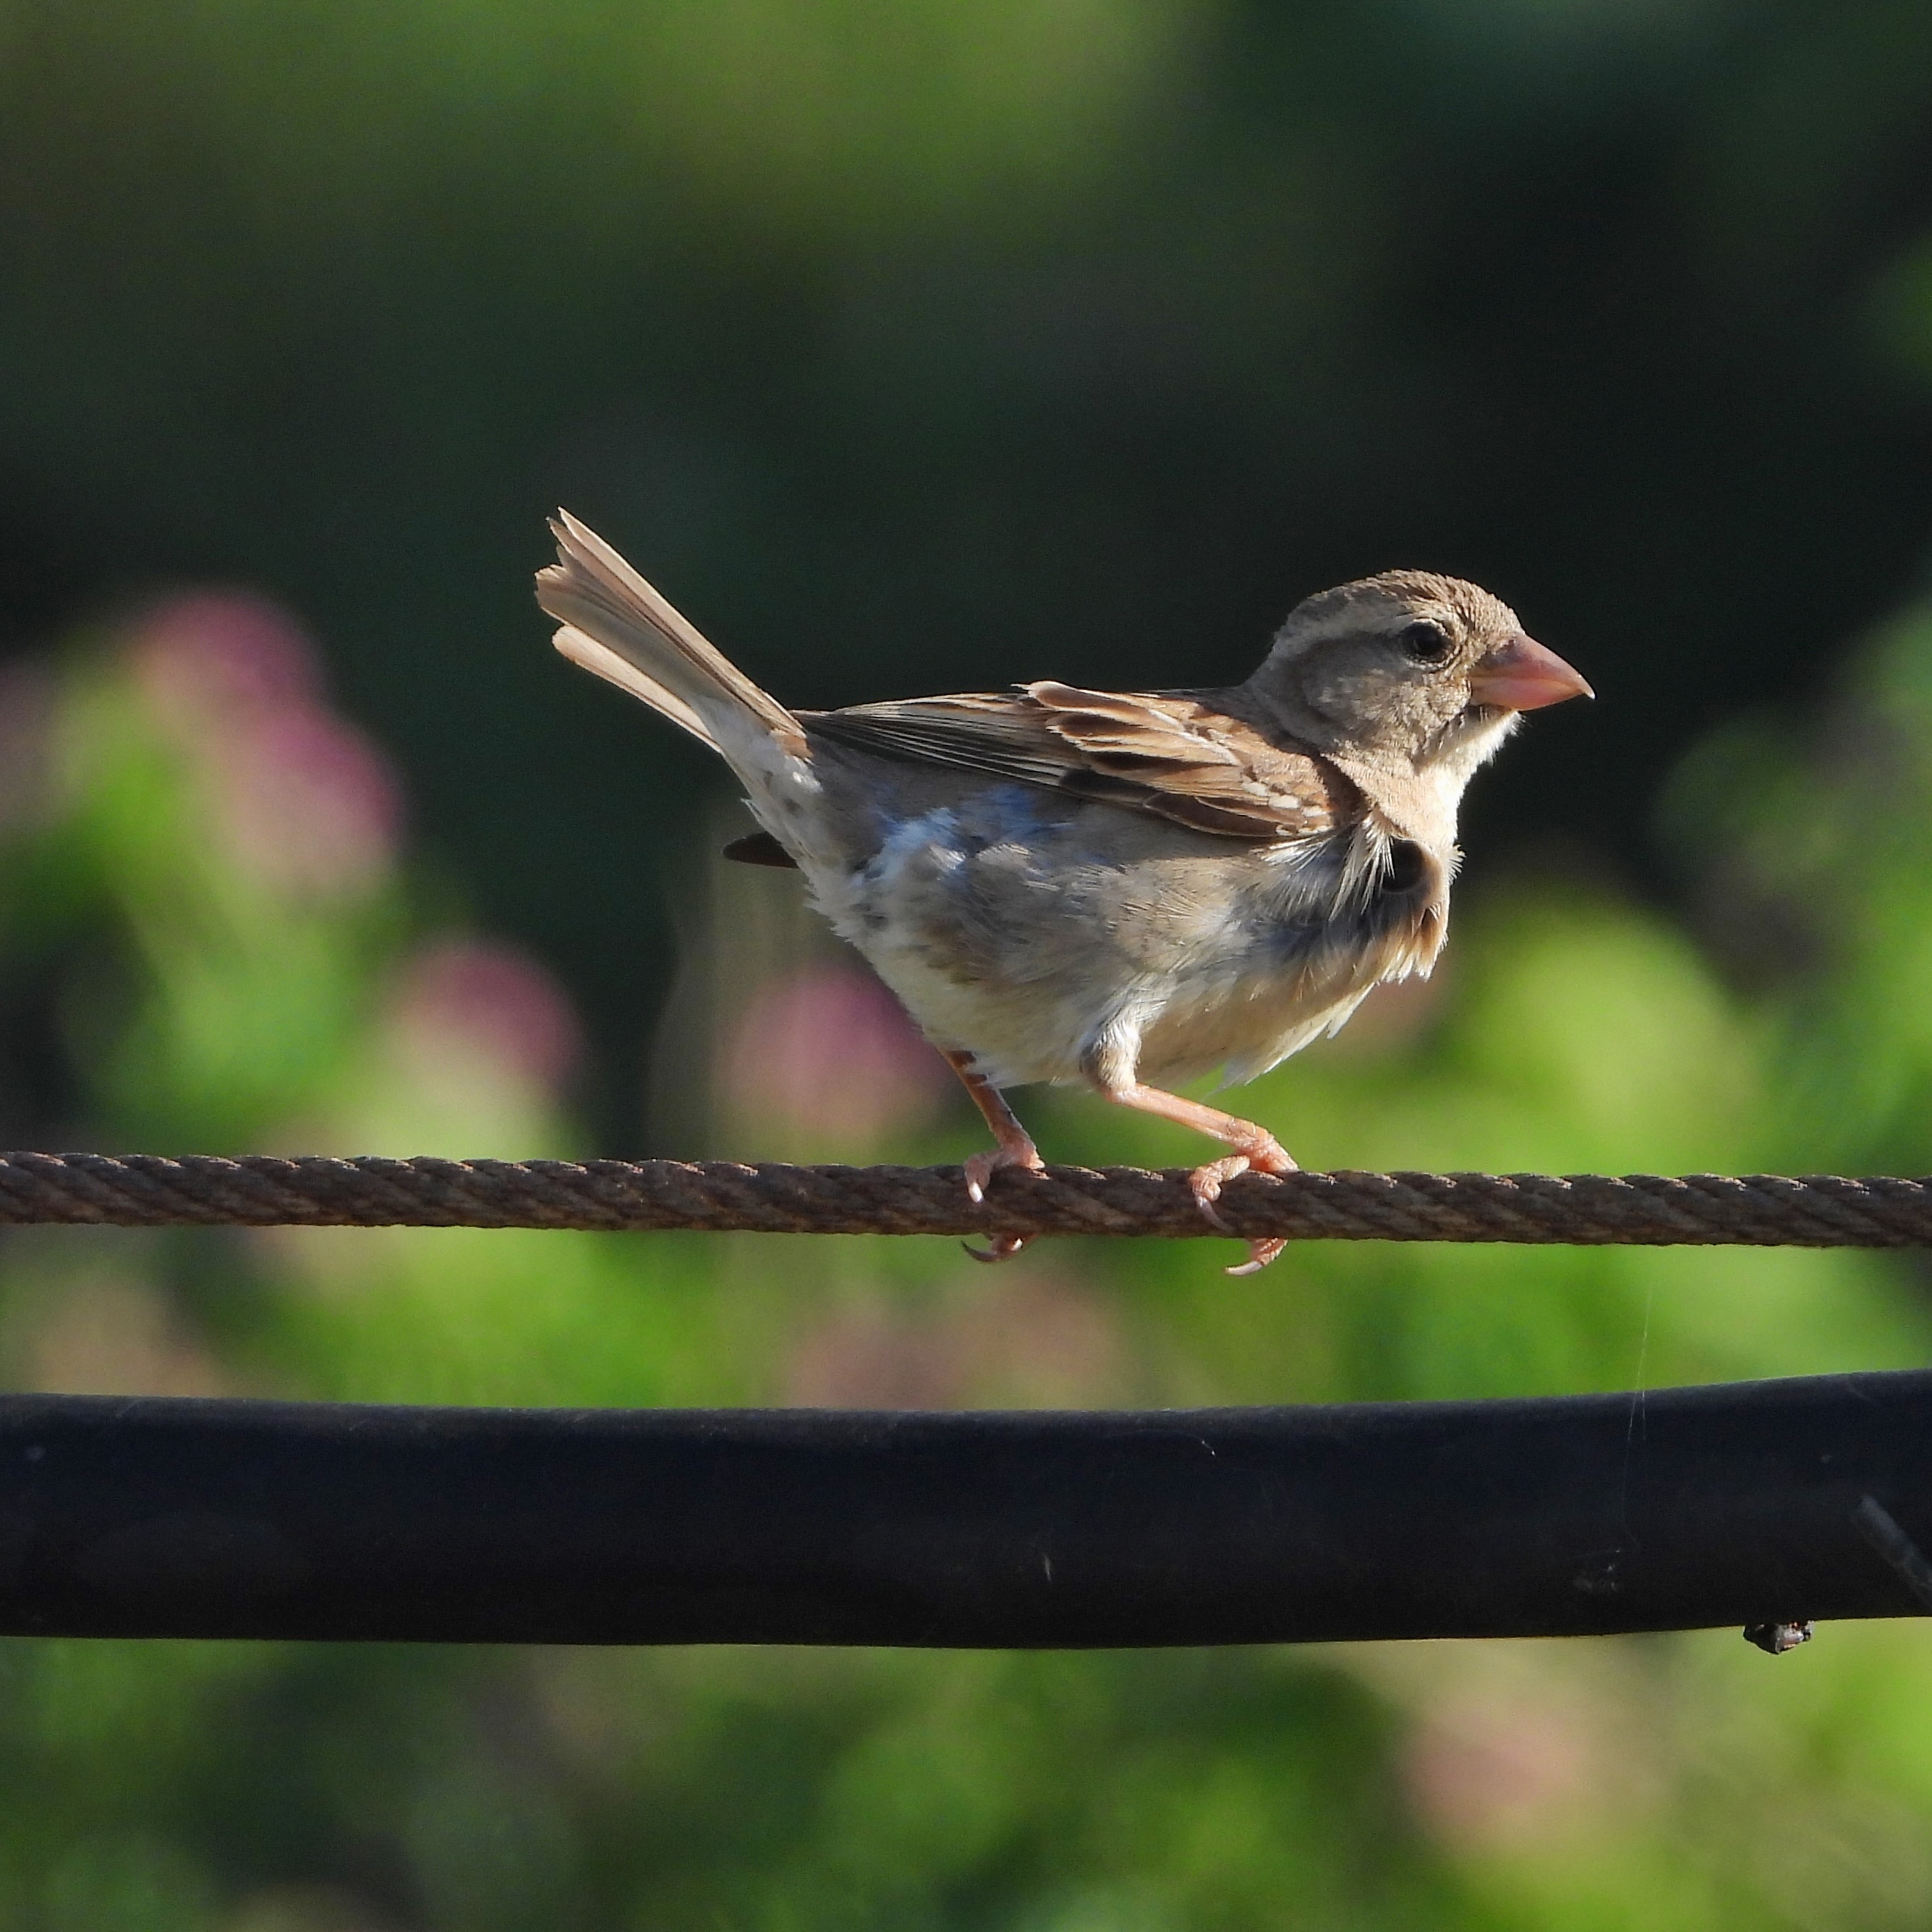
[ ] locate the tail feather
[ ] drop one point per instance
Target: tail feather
(616, 625)
(602, 661)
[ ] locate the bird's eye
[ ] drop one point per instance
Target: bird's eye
(1424, 644)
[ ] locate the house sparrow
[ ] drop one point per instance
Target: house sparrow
(1084, 886)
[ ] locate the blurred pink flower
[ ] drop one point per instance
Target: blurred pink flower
(306, 802)
(474, 998)
(1043, 1342)
(1506, 1773)
(201, 657)
(877, 1358)
(101, 1335)
(830, 1051)
(303, 800)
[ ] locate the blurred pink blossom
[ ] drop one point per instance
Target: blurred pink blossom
(303, 800)
(104, 1335)
(830, 1051)
(307, 802)
(1506, 1773)
(876, 1358)
(1046, 1341)
(203, 657)
(474, 998)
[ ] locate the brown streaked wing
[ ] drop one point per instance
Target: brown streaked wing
(1162, 753)
(1003, 734)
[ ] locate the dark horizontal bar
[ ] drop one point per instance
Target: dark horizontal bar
(1736, 1504)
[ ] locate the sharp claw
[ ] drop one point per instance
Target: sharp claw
(981, 1168)
(1000, 1248)
(1207, 1182)
(1261, 1254)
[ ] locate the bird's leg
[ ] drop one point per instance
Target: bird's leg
(1254, 1148)
(1015, 1149)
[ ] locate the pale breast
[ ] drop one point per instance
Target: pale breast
(1306, 946)
(1054, 941)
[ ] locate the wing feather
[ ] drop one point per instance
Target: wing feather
(1165, 753)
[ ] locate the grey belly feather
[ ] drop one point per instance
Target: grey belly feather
(1058, 940)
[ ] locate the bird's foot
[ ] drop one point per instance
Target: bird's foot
(980, 1168)
(1264, 1155)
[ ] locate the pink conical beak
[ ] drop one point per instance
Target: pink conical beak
(1522, 675)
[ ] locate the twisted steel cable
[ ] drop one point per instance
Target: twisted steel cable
(262, 1190)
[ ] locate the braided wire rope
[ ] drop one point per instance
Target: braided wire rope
(262, 1190)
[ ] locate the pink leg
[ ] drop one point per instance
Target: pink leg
(1254, 1148)
(1015, 1148)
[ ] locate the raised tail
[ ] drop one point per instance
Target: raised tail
(616, 625)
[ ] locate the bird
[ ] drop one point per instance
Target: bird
(1126, 891)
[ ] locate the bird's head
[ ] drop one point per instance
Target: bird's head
(1410, 672)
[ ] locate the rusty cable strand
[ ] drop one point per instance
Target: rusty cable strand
(262, 1190)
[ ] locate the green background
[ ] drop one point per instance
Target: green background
(913, 348)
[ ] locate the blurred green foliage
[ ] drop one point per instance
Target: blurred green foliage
(913, 348)
(929, 345)
(249, 959)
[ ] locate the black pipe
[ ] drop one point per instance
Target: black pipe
(1737, 1504)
